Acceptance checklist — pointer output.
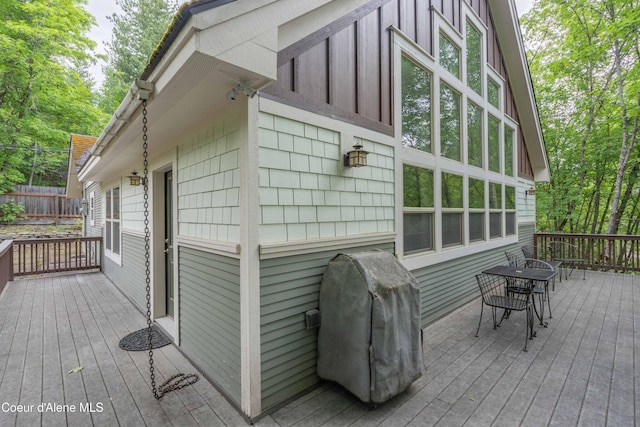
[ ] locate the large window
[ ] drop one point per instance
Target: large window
(449, 122)
(476, 210)
(508, 151)
(510, 207)
(449, 56)
(495, 210)
(474, 59)
(416, 106)
(452, 210)
(474, 135)
(494, 144)
(112, 223)
(493, 93)
(418, 209)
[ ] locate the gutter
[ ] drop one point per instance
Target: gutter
(140, 90)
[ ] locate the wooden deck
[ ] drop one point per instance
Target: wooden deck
(581, 370)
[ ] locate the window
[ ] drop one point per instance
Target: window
(474, 135)
(92, 208)
(493, 93)
(418, 209)
(508, 151)
(416, 106)
(474, 59)
(449, 122)
(510, 206)
(495, 213)
(494, 144)
(112, 223)
(452, 210)
(476, 210)
(449, 56)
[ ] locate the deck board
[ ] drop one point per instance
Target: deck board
(579, 370)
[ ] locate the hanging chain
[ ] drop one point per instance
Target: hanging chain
(181, 380)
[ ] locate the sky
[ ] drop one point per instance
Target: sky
(101, 33)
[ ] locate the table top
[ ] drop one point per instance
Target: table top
(521, 273)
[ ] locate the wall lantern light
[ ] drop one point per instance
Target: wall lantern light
(356, 157)
(134, 179)
(84, 204)
(530, 192)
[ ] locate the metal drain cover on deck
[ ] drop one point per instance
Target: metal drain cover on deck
(139, 340)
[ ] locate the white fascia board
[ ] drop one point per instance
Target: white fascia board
(509, 36)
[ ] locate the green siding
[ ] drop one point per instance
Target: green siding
(449, 285)
(525, 234)
(288, 288)
(210, 316)
(130, 276)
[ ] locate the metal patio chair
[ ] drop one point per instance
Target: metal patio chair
(529, 252)
(495, 294)
(568, 254)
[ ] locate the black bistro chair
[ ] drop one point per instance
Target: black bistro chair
(495, 294)
(541, 289)
(529, 252)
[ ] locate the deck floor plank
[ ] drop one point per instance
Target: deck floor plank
(579, 370)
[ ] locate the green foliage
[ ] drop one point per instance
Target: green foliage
(44, 92)
(136, 33)
(11, 211)
(584, 61)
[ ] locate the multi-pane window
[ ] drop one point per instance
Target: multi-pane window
(510, 207)
(474, 135)
(474, 58)
(416, 106)
(494, 144)
(495, 210)
(418, 209)
(449, 122)
(508, 151)
(112, 223)
(452, 210)
(493, 93)
(476, 210)
(449, 56)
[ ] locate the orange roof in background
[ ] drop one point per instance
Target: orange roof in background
(80, 146)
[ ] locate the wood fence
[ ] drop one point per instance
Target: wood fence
(44, 202)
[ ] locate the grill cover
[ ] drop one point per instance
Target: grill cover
(369, 336)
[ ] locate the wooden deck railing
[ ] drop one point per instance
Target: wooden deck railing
(6, 263)
(40, 256)
(604, 252)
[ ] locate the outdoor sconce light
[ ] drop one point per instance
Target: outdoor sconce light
(134, 179)
(356, 158)
(530, 192)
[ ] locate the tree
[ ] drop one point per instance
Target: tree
(584, 63)
(44, 92)
(136, 33)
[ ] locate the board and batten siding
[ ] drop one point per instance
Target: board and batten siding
(210, 316)
(130, 276)
(290, 286)
(304, 192)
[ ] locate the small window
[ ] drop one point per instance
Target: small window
(92, 208)
(452, 210)
(474, 59)
(416, 106)
(418, 209)
(449, 122)
(474, 135)
(494, 144)
(112, 223)
(449, 56)
(493, 93)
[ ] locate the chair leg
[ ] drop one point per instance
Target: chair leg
(546, 291)
(480, 321)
